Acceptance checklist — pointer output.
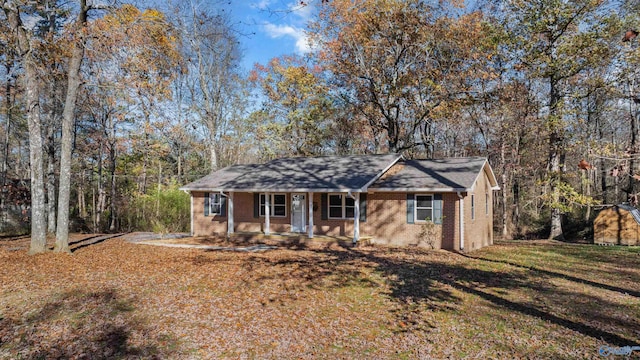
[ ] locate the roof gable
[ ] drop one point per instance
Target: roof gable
(443, 175)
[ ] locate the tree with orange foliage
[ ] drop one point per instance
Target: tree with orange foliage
(402, 64)
(297, 111)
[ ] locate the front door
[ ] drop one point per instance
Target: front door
(298, 213)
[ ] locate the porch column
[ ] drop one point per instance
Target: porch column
(461, 220)
(267, 209)
(230, 228)
(191, 199)
(310, 222)
(356, 217)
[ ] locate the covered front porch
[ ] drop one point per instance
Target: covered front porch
(336, 214)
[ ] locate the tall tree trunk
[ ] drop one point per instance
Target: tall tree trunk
(142, 185)
(77, 54)
(38, 210)
(51, 176)
(7, 139)
(213, 156)
(112, 206)
(101, 194)
(555, 158)
(503, 164)
(586, 181)
(179, 164)
(158, 189)
(82, 203)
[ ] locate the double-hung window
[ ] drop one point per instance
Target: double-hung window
(215, 204)
(423, 208)
(277, 205)
(341, 206)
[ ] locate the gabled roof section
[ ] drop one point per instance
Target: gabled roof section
(299, 174)
(444, 175)
(217, 179)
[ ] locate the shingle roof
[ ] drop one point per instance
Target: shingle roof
(348, 173)
(452, 174)
(300, 174)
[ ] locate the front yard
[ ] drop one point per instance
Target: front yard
(115, 299)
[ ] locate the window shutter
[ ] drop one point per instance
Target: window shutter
(223, 205)
(256, 205)
(363, 207)
(437, 208)
(410, 206)
(324, 200)
(206, 204)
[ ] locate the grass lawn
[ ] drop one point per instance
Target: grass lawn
(115, 299)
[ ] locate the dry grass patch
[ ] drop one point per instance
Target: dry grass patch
(120, 300)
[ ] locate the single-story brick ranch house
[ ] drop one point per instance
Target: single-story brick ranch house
(385, 198)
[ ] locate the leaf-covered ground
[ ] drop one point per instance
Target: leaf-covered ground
(115, 299)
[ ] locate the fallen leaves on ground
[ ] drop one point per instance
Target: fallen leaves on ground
(115, 299)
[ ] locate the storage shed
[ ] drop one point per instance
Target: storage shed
(617, 225)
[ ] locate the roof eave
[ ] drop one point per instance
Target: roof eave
(295, 190)
(430, 190)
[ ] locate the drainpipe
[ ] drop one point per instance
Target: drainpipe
(461, 222)
(356, 216)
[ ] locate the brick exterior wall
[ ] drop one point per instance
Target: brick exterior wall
(386, 221)
(205, 225)
(479, 228)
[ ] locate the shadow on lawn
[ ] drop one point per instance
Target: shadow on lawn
(473, 281)
(77, 324)
(560, 275)
(417, 281)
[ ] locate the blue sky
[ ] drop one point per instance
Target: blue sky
(270, 28)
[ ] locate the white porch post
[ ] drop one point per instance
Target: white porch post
(461, 220)
(191, 199)
(310, 222)
(356, 218)
(267, 210)
(230, 227)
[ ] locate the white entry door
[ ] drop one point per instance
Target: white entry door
(298, 213)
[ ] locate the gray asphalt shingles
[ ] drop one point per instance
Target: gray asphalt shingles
(344, 173)
(323, 173)
(443, 174)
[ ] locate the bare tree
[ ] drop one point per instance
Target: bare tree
(212, 48)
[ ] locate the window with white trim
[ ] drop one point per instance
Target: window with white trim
(486, 204)
(215, 204)
(423, 208)
(341, 206)
(277, 205)
(473, 207)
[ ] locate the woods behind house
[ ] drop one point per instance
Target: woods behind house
(107, 108)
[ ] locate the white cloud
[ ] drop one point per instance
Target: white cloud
(262, 4)
(304, 12)
(300, 36)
